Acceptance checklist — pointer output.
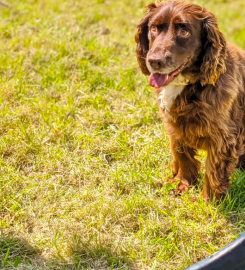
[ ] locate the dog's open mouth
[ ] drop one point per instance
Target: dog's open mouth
(158, 80)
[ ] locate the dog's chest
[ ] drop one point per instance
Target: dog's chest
(168, 94)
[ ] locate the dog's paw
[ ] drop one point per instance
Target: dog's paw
(181, 185)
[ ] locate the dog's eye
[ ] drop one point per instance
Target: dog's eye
(153, 28)
(184, 33)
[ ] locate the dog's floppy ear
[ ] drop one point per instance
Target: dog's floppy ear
(141, 39)
(213, 64)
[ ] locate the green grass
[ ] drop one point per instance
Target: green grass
(83, 154)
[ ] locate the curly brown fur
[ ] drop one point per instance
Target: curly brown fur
(208, 113)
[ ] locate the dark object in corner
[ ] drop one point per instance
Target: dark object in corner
(231, 257)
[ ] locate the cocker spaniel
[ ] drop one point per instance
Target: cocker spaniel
(200, 82)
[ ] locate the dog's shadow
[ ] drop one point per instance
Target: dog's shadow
(18, 253)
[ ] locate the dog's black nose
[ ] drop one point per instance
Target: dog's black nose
(157, 63)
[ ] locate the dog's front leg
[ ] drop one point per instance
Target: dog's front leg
(185, 166)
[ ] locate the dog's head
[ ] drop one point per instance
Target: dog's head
(174, 37)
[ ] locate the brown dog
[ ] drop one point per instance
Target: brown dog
(200, 81)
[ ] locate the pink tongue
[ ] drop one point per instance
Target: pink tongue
(157, 80)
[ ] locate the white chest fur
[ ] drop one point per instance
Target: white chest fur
(170, 92)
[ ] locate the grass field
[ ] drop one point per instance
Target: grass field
(83, 153)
